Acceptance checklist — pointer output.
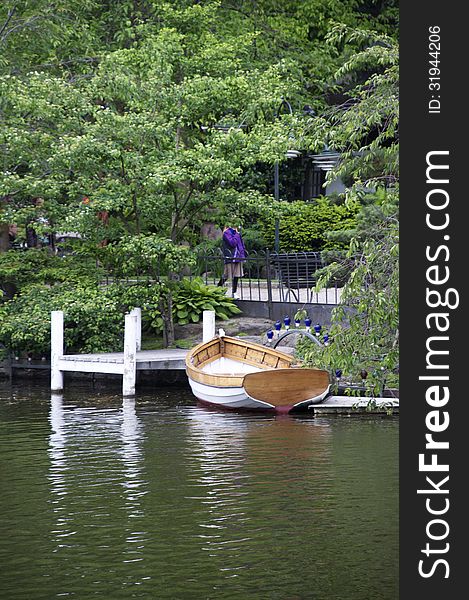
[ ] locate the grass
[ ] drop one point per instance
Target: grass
(151, 341)
(184, 344)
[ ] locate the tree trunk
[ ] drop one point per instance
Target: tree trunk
(4, 238)
(8, 288)
(170, 321)
(31, 237)
(166, 309)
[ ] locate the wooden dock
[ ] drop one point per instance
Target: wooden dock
(350, 405)
(125, 363)
(113, 362)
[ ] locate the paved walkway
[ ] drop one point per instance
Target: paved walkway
(257, 291)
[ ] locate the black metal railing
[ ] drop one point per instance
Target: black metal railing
(267, 277)
(273, 277)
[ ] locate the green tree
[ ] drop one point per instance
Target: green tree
(365, 327)
(145, 119)
(140, 137)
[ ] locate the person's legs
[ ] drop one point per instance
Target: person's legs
(226, 275)
(234, 285)
(237, 273)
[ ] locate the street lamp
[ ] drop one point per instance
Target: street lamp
(288, 154)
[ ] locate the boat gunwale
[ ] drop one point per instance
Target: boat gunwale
(223, 380)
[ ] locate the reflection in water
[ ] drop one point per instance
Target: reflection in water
(133, 483)
(81, 439)
(57, 444)
(161, 499)
(58, 470)
(218, 442)
(252, 486)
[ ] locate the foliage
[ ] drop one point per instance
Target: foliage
(41, 266)
(364, 128)
(300, 314)
(254, 239)
(122, 104)
(94, 315)
(365, 326)
(336, 271)
(146, 296)
(374, 407)
(191, 298)
(93, 319)
(306, 227)
(149, 254)
(137, 137)
(365, 329)
(137, 122)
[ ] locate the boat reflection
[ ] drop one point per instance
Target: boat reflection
(240, 461)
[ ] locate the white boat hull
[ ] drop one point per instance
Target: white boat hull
(234, 397)
(237, 398)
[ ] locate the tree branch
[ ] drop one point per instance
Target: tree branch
(11, 12)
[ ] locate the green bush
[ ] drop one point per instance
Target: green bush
(93, 321)
(94, 315)
(306, 226)
(149, 254)
(22, 268)
(337, 267)
(146, 296)
(254, 239)
(189, 300)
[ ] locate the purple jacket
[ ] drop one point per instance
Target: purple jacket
(233, 246)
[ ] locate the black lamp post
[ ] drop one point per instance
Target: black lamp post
(277, 198)
(288, 154)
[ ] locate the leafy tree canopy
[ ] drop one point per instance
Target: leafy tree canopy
(141, 120)
(121, 103)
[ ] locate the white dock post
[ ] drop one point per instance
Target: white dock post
(208, 331)
(138, 334)
(130, 355)
(57, 350)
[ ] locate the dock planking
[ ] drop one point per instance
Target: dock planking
(125, 363)
(148, 360)
(351, 405)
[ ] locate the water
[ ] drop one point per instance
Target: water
(162, 499)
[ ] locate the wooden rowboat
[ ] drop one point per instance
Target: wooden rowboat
(233, 373)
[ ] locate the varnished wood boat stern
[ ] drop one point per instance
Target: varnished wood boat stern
(287, 387)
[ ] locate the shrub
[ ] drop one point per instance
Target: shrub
(41, 266)
(94, 315)
(92, 319)
(306, 227)
(337, 267)
(149, 254)
(191, 298)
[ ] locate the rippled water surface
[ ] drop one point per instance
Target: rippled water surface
(159, 498)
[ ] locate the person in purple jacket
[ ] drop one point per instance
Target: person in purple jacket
(234, 253)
